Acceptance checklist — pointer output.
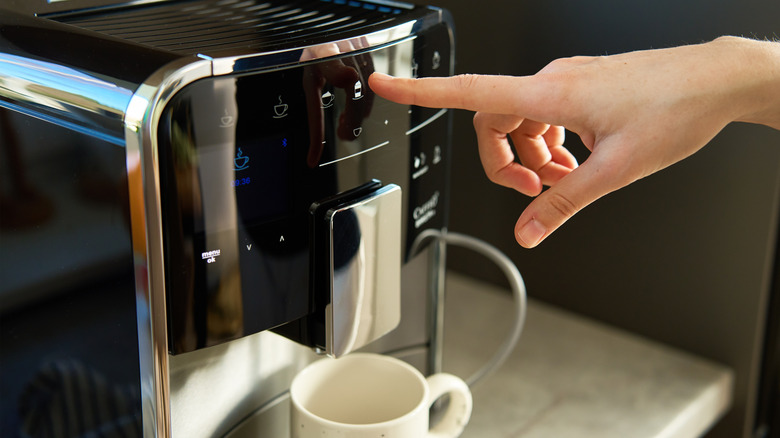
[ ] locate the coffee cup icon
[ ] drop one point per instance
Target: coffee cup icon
(327, 99)
(226, 121)
(241, 161)
(280, 110)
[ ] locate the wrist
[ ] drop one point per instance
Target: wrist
(754, 79)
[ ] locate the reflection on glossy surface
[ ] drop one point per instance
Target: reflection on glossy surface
(22, 203)
(38, 84)
(239, 180)
(241, 375)
(67, 304)
(365, 270)
(348, 74)
(34, 79)
(70, 77)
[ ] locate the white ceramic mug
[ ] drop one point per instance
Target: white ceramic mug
(365, 395)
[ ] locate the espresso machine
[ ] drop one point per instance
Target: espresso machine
(200, 197)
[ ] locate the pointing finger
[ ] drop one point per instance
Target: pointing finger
(491, 94)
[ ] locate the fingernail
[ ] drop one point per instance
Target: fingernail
(531, 233)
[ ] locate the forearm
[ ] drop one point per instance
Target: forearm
(754, 70)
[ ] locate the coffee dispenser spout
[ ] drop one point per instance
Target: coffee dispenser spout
(361, 257)
(355, 277)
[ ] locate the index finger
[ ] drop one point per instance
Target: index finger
(482, 93)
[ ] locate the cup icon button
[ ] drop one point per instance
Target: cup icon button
(327, 99)
(280, 110)
(241, 161)
(226, 121)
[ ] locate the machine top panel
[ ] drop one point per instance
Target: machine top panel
(218, 28)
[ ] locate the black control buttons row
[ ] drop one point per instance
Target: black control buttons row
(328, 99)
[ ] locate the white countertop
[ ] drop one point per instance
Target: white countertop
(573, 377)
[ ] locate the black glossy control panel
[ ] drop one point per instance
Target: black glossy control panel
(243, 159)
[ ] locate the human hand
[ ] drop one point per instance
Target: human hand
(637, 113)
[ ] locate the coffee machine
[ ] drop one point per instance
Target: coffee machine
(202, 197)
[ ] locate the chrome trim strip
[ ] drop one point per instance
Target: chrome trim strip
(439, 254)
(81, 99)
(141, 122)
(394, 4)
(61, 8)
(64, 123)
(438, 260)
(292, 57)
(430, 120)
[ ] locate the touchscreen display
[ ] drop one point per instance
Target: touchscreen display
(251, 177)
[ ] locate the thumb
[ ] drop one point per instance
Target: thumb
(557, 204)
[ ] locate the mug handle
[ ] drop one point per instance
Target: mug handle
(458, 412)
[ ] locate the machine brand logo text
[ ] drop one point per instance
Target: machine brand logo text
(425, 212)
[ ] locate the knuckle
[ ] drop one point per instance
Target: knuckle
(465, 81)
(464, 84)
(578, 60)
(494, 176)
(562, 205)
(479, 119)
(556, 65)
(562, 64)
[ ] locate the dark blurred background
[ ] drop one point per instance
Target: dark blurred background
(685, 257)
